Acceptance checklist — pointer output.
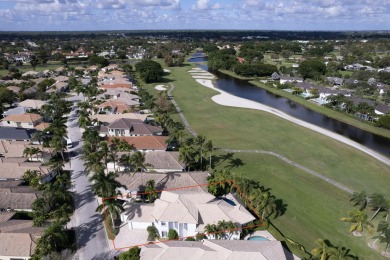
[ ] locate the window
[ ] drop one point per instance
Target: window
(164, 233)
(163, 224)
(185, 226)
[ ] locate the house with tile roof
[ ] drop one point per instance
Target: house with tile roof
(32, 103)
(113, 106)
(132, 127)
(27, 120)
(163, 181)
(215, 250)
(187, 212)
(146, 143)
(21, 250)
(155, 161)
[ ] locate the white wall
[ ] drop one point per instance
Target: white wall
(14, 124)
(139, 225)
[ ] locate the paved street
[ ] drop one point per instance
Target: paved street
(91, 238)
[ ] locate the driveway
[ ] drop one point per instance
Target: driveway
(91, 238)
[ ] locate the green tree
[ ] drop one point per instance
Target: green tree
(112, 208)
(359, 199)
(359, 220)
(104, 185)
(172, 234)
(378, 203)
(153, 232)
(323, 249)
(150, 71)
(312, 69)
(385, 238)
(132, 254)
(384, 121)
(151, 191)
(33, 61)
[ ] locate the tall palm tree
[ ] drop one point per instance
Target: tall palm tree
(323, 249)
(359, 199)
(359, 220)
(209, 147)
(27, 152)
(54, 237)
(378, 203)
(186, 155)
(105, 185)
(226, 229)
(212, 230)
(103, 148)
(36, 151)
(269, 208)
(93, 162)
(58, 144)
(385, 238)
(111, 207)
(151, 190)
(138, 161)
(381, 228)
(62, 214)
(200, 142)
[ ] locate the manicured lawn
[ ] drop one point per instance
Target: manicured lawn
(314, 206)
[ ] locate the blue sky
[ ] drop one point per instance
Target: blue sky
(42, 15)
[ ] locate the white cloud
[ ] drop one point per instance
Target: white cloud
(205, 5)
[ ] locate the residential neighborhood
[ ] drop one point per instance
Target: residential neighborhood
(163, 145)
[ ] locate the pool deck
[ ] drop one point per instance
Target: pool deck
(262, 233)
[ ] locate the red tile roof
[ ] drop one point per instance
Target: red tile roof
(145, 142)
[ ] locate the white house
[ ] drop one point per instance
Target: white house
(132, 127)
(216, 249)
(27, 120)
(284, 79)
(187, 212)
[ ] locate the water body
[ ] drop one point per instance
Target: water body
(242, 88)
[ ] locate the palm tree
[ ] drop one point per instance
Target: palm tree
(151, 190)
(186, 155)
(36, 151)
(58, 144)
(62, 214)
(103, 147)
(27, 152)
(359, 220)
(112, 208)
(323, 249)
(269, 208)
(211, 230)
(200, 142)
(385, 238)
(104, 185)
(138, 161)
(381, 228)
(40, 210)
(38, 136)
(226, 229)
(359, 199)
(340, 253)
(54, 237)
(209, 149)
(378, 203)
(93, 162)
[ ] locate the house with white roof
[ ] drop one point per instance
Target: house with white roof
(187, 212)
(216, 249)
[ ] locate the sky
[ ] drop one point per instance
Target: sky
(71, 15)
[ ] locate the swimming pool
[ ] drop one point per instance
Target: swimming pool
(258, 238)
